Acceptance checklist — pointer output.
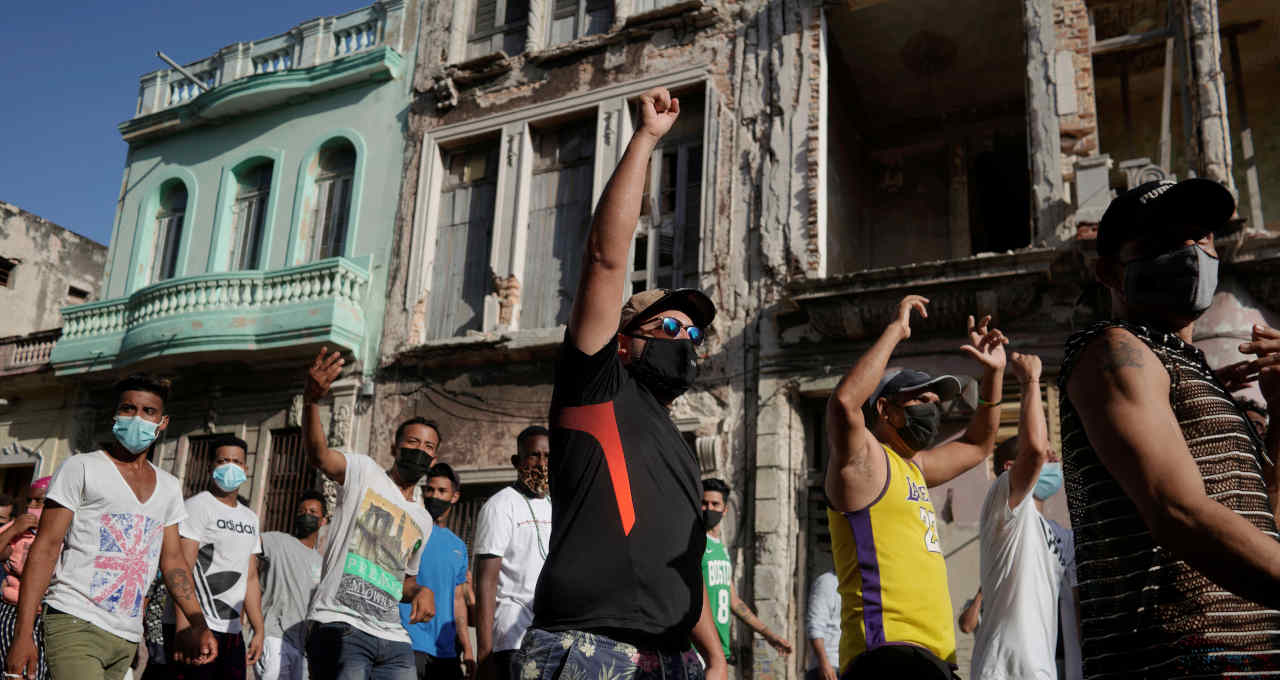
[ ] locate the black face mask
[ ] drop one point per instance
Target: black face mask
(305, 524)
(437, 507)
(667, 367)
(412, 464)
(922, 425)
(710, 518)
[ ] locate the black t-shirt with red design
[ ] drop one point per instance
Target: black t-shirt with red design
(627, 535)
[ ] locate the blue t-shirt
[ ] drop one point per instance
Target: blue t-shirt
(443, 568)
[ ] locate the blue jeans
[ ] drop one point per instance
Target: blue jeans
(573, 654)
(338, 651)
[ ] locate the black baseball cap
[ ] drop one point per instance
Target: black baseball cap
(1156, 206)
(899, 380)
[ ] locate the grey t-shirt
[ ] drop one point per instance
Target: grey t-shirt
(291, 575)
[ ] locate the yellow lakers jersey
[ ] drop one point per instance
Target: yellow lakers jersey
(893, 580)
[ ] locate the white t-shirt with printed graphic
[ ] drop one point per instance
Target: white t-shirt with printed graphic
(1023, 562)
(227, 537)
(112, 548)
(375, 541)
(517, 529)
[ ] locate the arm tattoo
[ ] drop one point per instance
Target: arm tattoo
(1120, 354)
(180, 585)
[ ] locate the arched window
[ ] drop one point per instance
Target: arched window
(253, 186)
(169, 220)
(335, 173)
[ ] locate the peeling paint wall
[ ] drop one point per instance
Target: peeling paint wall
(50, 261)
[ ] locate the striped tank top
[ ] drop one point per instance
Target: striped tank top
(893, 579)
(1146, 613)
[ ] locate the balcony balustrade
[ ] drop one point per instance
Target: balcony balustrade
(297, 307)
(309, 44)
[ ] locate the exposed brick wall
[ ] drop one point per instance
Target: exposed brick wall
(1079, 130)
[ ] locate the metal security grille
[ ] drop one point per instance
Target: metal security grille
(462, 520)
(199, 465)
(288, 476)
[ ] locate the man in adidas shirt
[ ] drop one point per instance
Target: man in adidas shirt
(717, 574)
(220, 541)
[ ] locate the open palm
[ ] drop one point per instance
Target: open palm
(986, 345)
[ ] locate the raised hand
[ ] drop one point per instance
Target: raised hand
(986, 345)
(658, 112)
(1236, 376)
(1026, 367)
(320, 376)
(1265, 345)
(905, 307)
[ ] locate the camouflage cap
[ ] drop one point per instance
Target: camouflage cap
(646, 303)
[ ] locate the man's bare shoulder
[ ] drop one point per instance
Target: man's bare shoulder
(1115, 359)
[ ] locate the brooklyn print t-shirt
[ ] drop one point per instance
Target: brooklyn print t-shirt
(375, 541)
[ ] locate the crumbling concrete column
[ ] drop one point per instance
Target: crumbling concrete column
(779, 568)
(1043, 136)
(1206, 85)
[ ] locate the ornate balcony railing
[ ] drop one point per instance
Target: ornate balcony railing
(224, 311)
(25, 352)
(308, 44)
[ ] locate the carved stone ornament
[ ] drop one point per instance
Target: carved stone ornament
(294, 417)
(339, 427)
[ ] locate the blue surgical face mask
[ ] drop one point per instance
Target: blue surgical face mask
(135, 433)
(1180, 282)
(229, 477)
(1050, 481)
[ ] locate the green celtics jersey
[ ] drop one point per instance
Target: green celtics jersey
(717, 573)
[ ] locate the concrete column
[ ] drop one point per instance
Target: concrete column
(1043, 135)
(236, 61)
(1206, 86)
(316, 45)
(153, 90)
(392, 23)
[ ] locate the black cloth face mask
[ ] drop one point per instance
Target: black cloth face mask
(710, 518)
(305, 524)
(922, 425)
(666, 367)
(412, 464)
(437, 506)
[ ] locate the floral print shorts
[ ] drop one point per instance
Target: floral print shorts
(575, 655)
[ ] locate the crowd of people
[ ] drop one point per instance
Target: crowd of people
(605, 558)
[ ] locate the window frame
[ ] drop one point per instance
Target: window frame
(500, 10)
(257, 198)
(613, 106)
(579, 13)
(324, 236)
(170, 224)
(7, 268)
(677, 221)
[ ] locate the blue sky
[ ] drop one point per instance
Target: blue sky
(69, 74)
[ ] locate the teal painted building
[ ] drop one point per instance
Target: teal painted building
(254, 226)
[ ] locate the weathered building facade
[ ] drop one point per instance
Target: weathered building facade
(829, 158)
(43, 267)
(254, 227)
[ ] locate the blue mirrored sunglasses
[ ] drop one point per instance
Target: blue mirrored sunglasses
(672, 327)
